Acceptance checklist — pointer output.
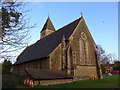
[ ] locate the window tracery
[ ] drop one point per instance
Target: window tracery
(84, 49)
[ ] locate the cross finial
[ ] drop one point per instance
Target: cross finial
(81, 14)
(48, 14)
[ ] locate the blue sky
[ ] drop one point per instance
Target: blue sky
(101, 19)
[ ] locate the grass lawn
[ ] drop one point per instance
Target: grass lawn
(106, 82)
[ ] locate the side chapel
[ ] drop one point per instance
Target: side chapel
(60, 54)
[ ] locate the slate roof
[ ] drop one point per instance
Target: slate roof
(47, 74)
(48, 25)
(42, 48)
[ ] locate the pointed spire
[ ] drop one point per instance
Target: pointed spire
(48, 25)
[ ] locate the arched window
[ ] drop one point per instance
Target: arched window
(88, 61)
(84, 49)
(81, 51)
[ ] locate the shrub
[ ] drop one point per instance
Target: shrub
(9, 81)
(6, 67)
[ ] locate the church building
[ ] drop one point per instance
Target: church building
(66, 53)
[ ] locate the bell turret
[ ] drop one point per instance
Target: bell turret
(47, 29)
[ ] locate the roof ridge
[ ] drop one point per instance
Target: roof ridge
(67, 25)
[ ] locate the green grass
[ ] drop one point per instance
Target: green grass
(106, 82)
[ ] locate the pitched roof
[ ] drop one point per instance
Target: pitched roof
(48, 25)
(47, 74)
(42, 48)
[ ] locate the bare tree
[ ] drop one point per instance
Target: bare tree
(104, 58)
(14, 28)
(100, 50)
(112, 57)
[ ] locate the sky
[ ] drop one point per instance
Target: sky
(101, 19)
(119, 30)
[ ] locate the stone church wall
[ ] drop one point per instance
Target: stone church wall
(45, 63)
(15, 70)
(86, 71)
(55, 59)
(76, 46)
(83, 68)
(45, 33)
(20, 69)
